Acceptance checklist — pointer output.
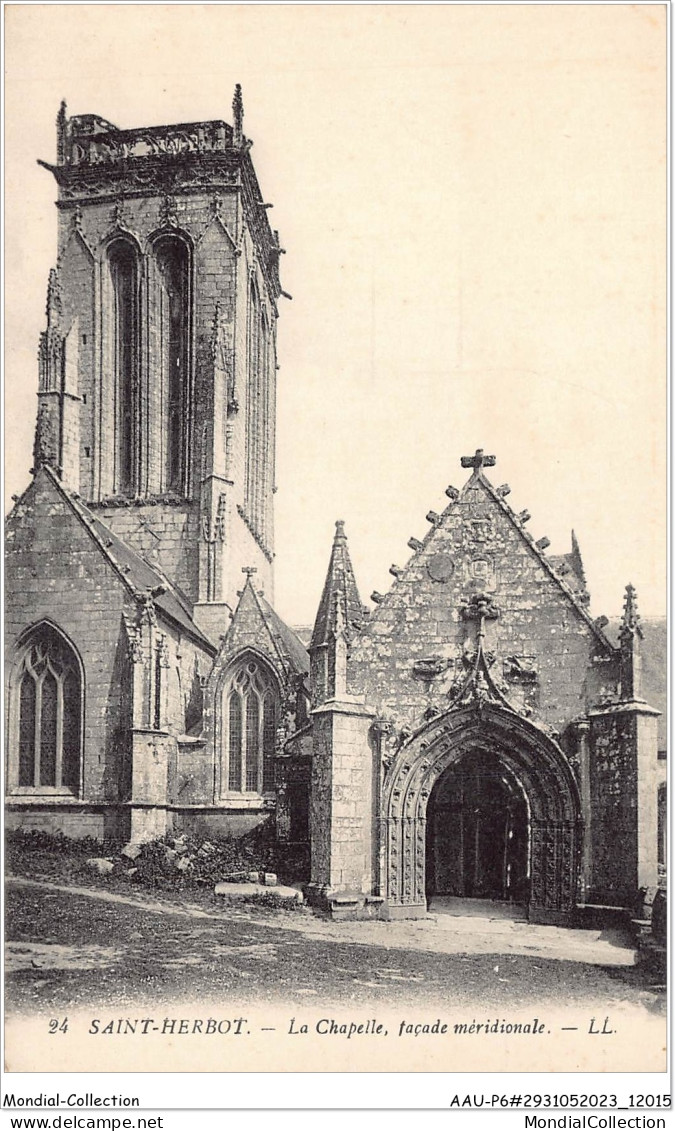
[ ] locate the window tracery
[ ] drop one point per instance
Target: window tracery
(48, 715)
(172, 259)
(250, 712)
(123, 267)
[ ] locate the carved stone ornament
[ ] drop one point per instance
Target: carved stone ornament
(430, 667)
(45, 447)
(440, 567)
(479, 607)
(168, 213)
(520, 669)
(134, 640)
(119, 218)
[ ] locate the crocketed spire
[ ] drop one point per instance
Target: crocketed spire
(630, 645)
(340, 608)
(630, 621)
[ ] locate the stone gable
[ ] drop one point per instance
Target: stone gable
(54, 564)
(547, 655)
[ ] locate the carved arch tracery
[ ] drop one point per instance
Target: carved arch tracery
(531, 756)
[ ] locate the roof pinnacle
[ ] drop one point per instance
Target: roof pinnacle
(340, 608)
(630, 621)
(61, 129)
(238, 116)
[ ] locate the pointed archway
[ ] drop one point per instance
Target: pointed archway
(477, 834)
(513, 748)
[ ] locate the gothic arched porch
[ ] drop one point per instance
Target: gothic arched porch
(527, 755)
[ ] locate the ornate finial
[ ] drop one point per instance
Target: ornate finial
(119, 213)
(53, 298)
(46, 442)
(630, 621)
(217, 206)
(77, 218)
(630, 635)
(168, 213)
(61, 133)
(237, 116)
(478, 460)
(479, 607)
(249, 571)
(340, 529)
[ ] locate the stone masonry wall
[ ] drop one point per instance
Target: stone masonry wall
(614, 804)
(321, 812)
(223, 255)
(166, 536)
(54, 570)
(544, 649)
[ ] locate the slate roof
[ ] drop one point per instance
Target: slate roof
(339, 589)
(570, 566)
(292, 644)
(136, 573)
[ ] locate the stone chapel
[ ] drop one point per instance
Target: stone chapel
(477, 733)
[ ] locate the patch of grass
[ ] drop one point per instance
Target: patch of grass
(267, 900)
(50, 855)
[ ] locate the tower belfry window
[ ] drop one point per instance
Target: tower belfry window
(124, 276)
(172, 258)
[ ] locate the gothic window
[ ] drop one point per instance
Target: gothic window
(48, 715)
(123, 266)
(250, 722)
(173, 261)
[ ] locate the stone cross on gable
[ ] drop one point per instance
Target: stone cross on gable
(249, 570)
(478, 460)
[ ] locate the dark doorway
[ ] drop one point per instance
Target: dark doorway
(477, 842)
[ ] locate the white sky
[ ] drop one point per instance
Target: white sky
(472, 199)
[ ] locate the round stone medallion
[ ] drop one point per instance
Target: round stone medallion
(440, 567)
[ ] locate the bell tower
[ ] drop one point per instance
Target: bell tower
(157, 391)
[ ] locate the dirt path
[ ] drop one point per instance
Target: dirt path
(439, 934)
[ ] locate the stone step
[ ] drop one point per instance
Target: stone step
(245, 891)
